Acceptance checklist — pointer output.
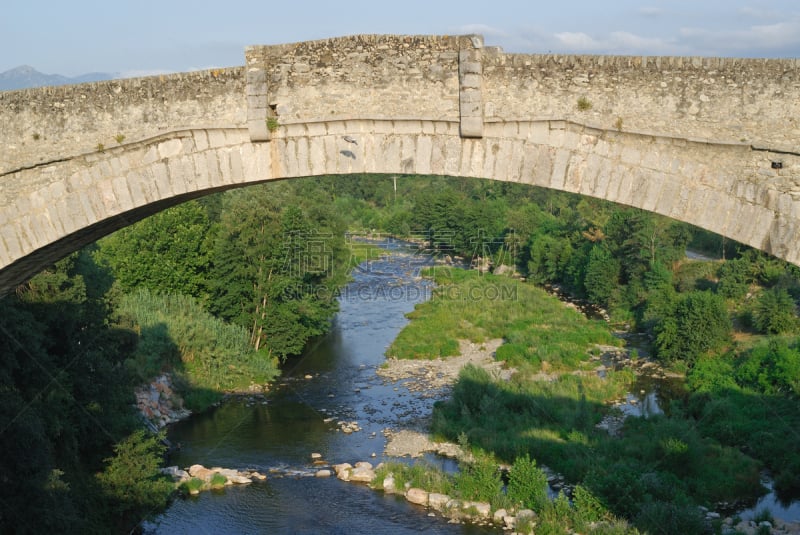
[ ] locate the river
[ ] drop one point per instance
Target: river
(333, 381)
(336, 381)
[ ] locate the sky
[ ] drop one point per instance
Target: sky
(142, 37)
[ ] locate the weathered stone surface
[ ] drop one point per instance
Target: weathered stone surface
(201, 472)
(481, 508)
(438, 501)
(418, 496)
(239, 479)
(323, 473)
(692, 138)
(343, 471)
(362, 474)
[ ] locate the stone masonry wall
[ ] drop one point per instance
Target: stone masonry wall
(365, 76)
(750, 101)
(49, 123)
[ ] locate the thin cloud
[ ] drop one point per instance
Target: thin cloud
(754, 13)
(763, 37)
(483, 29)
(579, 41)
(650, 11)
(617, 43)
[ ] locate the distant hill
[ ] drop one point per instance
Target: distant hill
(26, 76)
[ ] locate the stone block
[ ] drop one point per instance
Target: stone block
(424, 154)
(417, 496)
(472, 127)
(169, 148)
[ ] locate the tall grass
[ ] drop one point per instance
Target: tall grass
(177, 334)
(537, 328)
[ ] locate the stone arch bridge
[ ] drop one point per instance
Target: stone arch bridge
(714, 142)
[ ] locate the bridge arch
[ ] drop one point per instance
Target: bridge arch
(86, 197)
(709, 141)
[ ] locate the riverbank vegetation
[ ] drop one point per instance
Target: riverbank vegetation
(217, 292)
(220, 290)
(729, 325)
(521, 486)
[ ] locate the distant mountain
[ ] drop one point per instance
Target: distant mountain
(26, 76)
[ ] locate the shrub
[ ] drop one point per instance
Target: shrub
(131, 478)
(588, 509)
(584, 104)
(218, 481)
(527, 484)
(668, 518)
(479, 480)
(700, 323)
(775, 312)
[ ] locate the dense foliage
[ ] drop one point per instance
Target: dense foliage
(79, 337)
(66, 398)
(220, 290)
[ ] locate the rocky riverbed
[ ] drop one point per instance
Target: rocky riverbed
(434, 378)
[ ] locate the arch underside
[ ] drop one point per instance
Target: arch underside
(77, 200)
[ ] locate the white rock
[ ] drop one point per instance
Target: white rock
(482, 508)
(388, 483)
(323, 473)
(362, 474)
(438, 501)
(418, 496)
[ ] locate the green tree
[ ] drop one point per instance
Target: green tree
(167, 252)
(602, 275)
(699, 323)
(771, 368)
(775, 312)
(131, 479)
(276, 266)
(527, 484)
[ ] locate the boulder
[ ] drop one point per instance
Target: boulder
(362, 474)
(418, 496)
(438, 501)
(227, 472)
(499, 516)
(343, 471)
(239, 479)
(323, 473)
(481, 508)
(176, 473)
(201, 472)
(388, 483)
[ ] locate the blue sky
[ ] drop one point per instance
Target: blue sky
(133, 37)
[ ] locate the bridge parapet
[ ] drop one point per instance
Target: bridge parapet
(714, 142)
(378, 76)
(754, 101)
(50, 123)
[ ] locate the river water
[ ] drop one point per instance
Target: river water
(334, 381)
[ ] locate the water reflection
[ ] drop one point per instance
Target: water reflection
(335, 380)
